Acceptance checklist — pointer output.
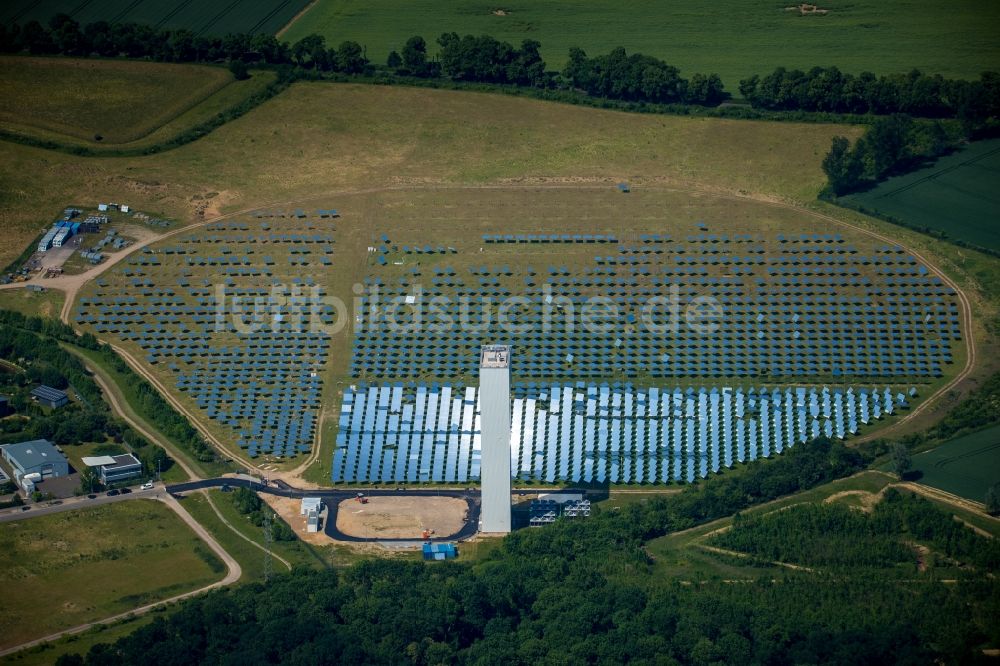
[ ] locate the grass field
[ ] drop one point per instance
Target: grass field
(85, 565)
(47, 653)
(318, 138)
(120, 101)
(43, 303)
(966, 466)
(202, 18)
(957, 195)
(733, 38)
(129, 105)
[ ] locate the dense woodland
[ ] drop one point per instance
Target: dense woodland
(584, 592)
(837, 536)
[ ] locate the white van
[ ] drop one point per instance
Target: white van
(146, 486)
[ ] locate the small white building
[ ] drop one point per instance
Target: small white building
(311, 508)
(115, 469)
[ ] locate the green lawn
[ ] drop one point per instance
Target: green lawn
(965, 466)
(957, 195)
(85, 565)
(128, 399)
(734, 38)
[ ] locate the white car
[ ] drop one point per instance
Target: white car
(146, 486)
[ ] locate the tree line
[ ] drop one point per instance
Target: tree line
(827, 89)
(891, 145)
(249, 503)
(581, 591)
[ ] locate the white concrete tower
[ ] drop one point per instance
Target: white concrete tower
(494, 405)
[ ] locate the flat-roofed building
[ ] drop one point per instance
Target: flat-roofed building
(115, 469)
(38, 456)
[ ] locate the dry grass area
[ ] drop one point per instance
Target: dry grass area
(318, 138)
(401, 517)
(119, 100)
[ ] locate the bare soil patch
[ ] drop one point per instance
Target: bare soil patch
(288, 508)
(401, 517)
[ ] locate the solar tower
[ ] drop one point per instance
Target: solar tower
(494, 405)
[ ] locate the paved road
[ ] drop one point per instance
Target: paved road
(73, 503)
(334, 497)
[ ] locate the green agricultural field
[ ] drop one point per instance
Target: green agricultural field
(66, 569)
(956, 196)
(733, 38)
(119, 101)
(966, 466)
(202, 18)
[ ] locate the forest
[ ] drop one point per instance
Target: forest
(839, 537)
(583, 592)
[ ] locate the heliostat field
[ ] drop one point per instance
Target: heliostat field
(657, 337)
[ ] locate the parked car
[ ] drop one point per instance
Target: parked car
(91, 496)
(25, 508)
(126, 491)
(147, 486)
(112, 493)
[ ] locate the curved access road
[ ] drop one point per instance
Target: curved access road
(332, 498)
(234, 572)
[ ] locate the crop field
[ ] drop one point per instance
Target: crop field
(966, 466)
(733, 38)
(201, 18)
(957, 195)
(89, 564)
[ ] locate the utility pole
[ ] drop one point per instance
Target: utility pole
(268, 538)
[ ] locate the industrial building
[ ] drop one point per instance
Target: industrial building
(115, 469)
(50, 397)
(311, 508)
(494, 399)
(34, 461)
